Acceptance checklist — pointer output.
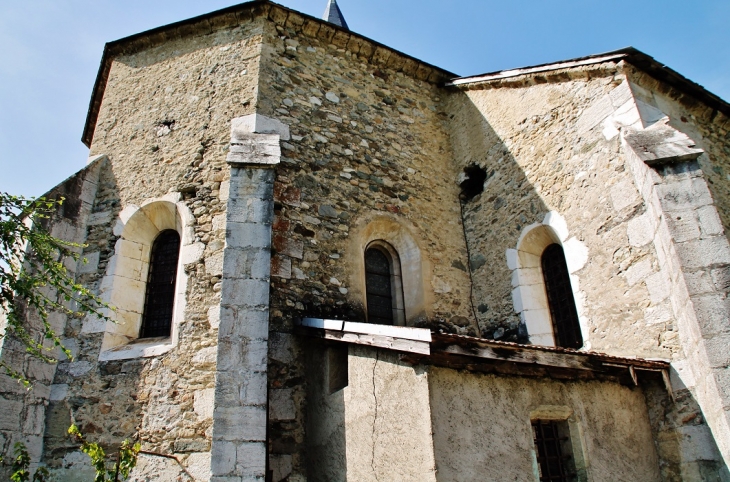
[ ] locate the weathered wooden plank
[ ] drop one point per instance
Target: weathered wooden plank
(396, 344)
(564, 360)
(405, 332)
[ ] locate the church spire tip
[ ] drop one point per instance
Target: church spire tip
(333, 14)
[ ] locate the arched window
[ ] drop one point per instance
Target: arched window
(160, 294)
(383, 285)
(563, 312)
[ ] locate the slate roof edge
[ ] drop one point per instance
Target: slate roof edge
(116, 47)
(631, 55)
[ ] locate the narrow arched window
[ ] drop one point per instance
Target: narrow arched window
(160, 294)
(383, 286)
(564, 315)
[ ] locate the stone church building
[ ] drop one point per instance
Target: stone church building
(332, 261)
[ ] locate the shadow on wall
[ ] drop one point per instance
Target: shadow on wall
(325, 421)
(494, 216)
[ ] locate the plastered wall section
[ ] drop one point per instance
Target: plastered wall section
(377, 428)
(544, 151)
(368, 154)
(24, 412)
(482, 428)
(164, 124)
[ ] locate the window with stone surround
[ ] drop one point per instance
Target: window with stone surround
(145, 280)
(546, 294)
(383, 285)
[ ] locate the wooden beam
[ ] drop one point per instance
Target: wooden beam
(379, 341)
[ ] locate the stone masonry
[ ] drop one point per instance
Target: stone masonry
(280, 146)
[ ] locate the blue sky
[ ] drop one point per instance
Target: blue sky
(50, 52)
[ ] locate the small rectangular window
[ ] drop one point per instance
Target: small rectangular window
(554, 451)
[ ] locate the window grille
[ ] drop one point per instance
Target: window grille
(379, 290)
(160, 293)
(563, 312)
(554, 464)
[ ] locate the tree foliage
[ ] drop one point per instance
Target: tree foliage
(34, 277)
(108, 470)
(21, 466)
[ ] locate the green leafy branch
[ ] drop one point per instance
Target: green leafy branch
(126, 458)
(21, 466)
(33, 275)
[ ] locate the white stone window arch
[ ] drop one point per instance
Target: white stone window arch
(124, 283)
(389, 233)
(528, 295)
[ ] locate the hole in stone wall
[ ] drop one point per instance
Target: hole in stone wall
(473, 183)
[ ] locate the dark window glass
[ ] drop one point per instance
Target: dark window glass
(552, 445)
(160, 295)
(378, 287)
(560, 298)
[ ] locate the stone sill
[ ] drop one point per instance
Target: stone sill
(146, 348)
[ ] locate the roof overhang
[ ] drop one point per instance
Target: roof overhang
(421, 346)
(630, 55)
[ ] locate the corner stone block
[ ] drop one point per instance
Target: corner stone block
(237, 389)
(223, 460)
(718, 353)
(245, 292)
(704, 252)
(248, 235)
(239, 424)
(251, 459)
(251, 183)
(709, 221)
(249, 210)
(684, 194)
(236, 355)
(241, 323)
(259, 124)
(247, 263)
(712, 315)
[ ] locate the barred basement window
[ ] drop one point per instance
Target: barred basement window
(564, 315)
(160, 295)
(383, 285)
(554, 451)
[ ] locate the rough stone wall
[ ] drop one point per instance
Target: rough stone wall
(482, 431)
(367, 143)
(541, 152)
(165, 126)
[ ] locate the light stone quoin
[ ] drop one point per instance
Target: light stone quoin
(240, 414)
